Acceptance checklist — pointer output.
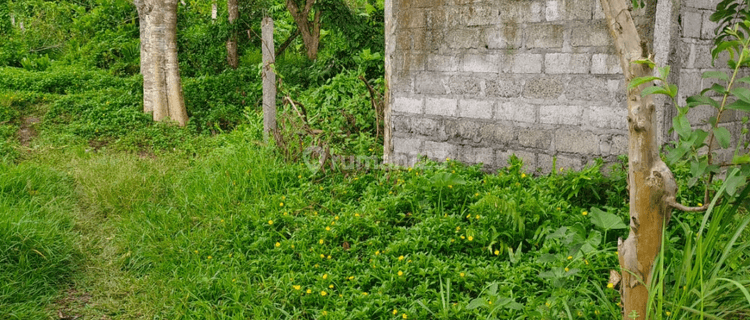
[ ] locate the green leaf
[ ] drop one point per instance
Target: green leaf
(606, 220)
(546, 258)
(641, 80)
(745, 80)
(739, 105)
(664, 71)
(476, 303)
(715, 87)
(715, 75)
(647, 62)
(723, 136)
(741, 159)
(733, 183)
(742, 93)
(681, 124)
(700, 100)
(559, 233)
(655, 90)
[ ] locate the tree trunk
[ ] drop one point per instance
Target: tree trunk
(269, 78)
(310, 30)
(234, 13)
(214, 11)
(162, 86)
(650, 180)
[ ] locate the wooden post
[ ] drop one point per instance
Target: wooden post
(269, 78)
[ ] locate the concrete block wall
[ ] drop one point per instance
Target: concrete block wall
(479, 80)
(694, 58)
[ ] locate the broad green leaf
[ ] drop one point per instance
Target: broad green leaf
(476, 303)
(606, 220)
(700, 100)
(700, 138)
(741, 159)
(655, 90)
(742, 93)
(716, 88)
(745, 80)
(546, 258)
(677, 153)
(723, 136)
(733, 183)
(715, 75)
(559, 233)
(664, 71)
(739, 105)
(673, 90)
(641, 80)
(681, 124)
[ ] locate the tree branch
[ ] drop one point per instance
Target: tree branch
(287, 42)
(674, 204)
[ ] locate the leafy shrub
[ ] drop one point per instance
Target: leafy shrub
(65, 80)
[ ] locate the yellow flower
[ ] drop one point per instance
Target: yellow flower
(377, 252)
(462, 237)
(566, 269)
(299, 177)
(281, 204)
(570, 257)
(458, 228)
(585, 213)
(395, 311)
(471, 238)
(476, 194)
(270, 222)
(400, 273)
(329, 257)
(364, 293)
(351, 278)
(450, 186)
(586, 262)
(356, 215)
(297, 287)
(461, 274)
(403, 315)
(283, 197)
(325, 312)
(209, 257)
(325, 276)
(196, 251)
(321, 241)
(309, 291)
(323, 293)
(547, 304)
(336, 218)
(447, 159)
(401, 258)
(330, 286)
(222, 220)
(668, 313)
(700, 204)
(497, 252)
(610, 285)
(278, 244)
(328, 228)
(580, 314)
(477, 217)
(523, 175)
(454, 171)
(596, 312)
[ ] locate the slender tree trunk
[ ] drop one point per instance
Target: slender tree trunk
(269, 78)
(176, 101)
(214, 11)
(650, 180)
(234, 13)
(310, 30)
(162, 86)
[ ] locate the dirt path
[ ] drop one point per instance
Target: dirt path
(27, 132)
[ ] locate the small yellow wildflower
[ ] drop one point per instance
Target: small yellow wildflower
(453, 240)
(328, 257)
(400, 273)
(281, 204)
(351, 278)
(566, 269)
(668, 313)
(461, 274)
(356, 215)
(462, 237)
(476, 194)
(364, 293)
(328, 228)
(585, 213)
(309, 291)
(476, 217)
(299, 177)
(222, 220)
(458, 228)
(401, 258)
(209, 257)
(297, 287)
(336, 218)
(196, 251)
(325, 313)
(700, 204)
(377, 252)
(586, 262)
(270, 222)
(278, 244)
(610, 285)
(596, 312)
(523, 175)
(453, 171)
(321, 241)
(471, 238)
(497, 252)
(570, 257)
(450, 186)
(447, 159)
(283, 197)
(322, 256)
(323, 293)
(403, 315)
(325, 276)
(330, 286)
(547, 303)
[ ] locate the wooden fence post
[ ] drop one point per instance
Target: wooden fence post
(269, 78)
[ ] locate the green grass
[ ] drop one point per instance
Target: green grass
(157, 222)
